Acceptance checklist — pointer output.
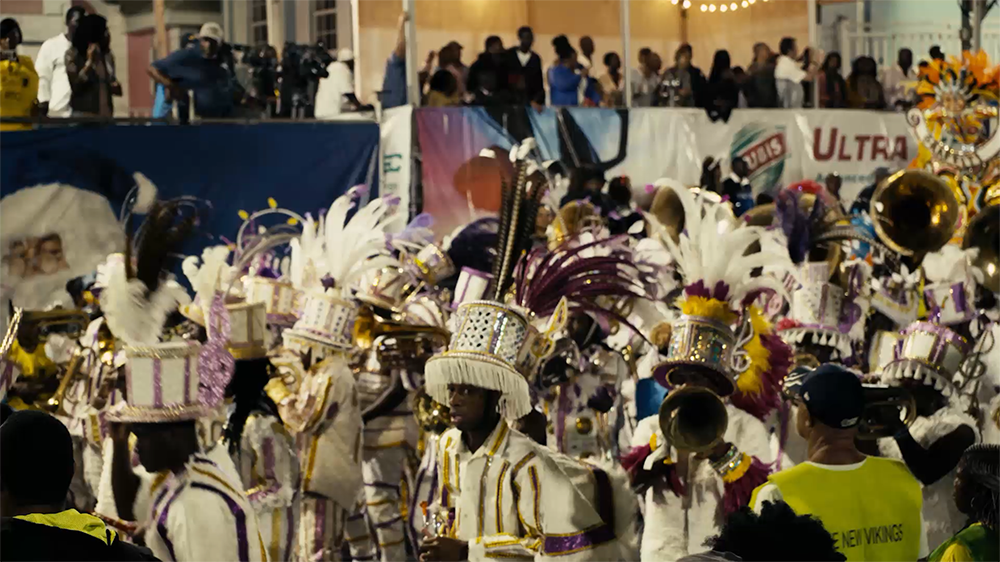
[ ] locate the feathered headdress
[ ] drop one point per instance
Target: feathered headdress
(712, 256)
(493, 347)
(330, 260)
(140, 293)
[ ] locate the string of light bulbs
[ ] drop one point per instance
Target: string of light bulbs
(722, 7)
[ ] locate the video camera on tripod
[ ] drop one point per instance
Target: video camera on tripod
(301, 69)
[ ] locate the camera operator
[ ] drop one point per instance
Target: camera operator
(207, 71)
(302, 68)
(336, 92)
(263, 78)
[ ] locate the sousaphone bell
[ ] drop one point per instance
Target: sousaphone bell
(693, 418)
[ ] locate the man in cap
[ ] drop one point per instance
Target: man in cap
(201, 71)
(870, 505)
(335, 94)
(37, 467)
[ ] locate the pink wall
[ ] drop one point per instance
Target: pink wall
(140, 47)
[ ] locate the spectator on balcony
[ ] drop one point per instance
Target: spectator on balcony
(394, 80)
(90, 68)
(936, 53)
(53, 84)
(450, 59)
(789, 75)
(863, 88)
(18, 80)
(683, 84)
(335, 94)
(832, 87)
(722, 92)
(613, 82)
(760, 89)
(569, 83)
(900, 82)
(638, 71)
(487, 76)
(443, 90)
(646, 89)
(524, 70)
(587, 53)
(201, 71)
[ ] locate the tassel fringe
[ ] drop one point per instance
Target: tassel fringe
(515, 401)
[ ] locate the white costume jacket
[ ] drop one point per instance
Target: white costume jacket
(677, 526)
(516, 499)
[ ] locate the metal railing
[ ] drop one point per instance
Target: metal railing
(883, 46)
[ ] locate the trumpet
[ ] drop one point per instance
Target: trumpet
(398, 345)
(68, 322)
(693, 418)
(55, 403)
(884, 405)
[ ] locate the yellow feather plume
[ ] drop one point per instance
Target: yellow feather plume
(749, 381)
(708, 308)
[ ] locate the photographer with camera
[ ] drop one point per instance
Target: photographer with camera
(202, 70)
(336, 92)
(302, 67)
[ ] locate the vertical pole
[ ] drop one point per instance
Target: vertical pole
(412, 68)
(160, 21)
(227, 20)
(813, 45)
(977, 25)
(356, 44)
(626, 51)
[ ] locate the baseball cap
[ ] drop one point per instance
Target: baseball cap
(345, 55)
(211, 30)
(834, 396)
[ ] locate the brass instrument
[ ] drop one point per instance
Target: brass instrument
(983, 232)
(105, 356)
(883, 406)
(572, 219)
(398, 345)
(693, 418)
(915, 213)
(66, 321)
(432, 417)
(55, 403)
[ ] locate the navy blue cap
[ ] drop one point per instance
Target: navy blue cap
(834, 396)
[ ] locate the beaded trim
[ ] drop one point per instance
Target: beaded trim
(190, 349)
(732, 465)
(164, 414)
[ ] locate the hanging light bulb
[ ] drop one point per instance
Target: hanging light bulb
(733, 6)
(704, 8)
(711, 8)
(674, 2)
(686, 4)
(751, 1)
(745, 3)
(723, 8)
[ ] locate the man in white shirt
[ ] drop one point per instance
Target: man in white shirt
(335, 93)
(789, 75)
(53, 83)
(900, 81)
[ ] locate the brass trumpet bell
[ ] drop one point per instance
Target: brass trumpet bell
(914, 212)
(432, 416)
(397, 345)
(983, 233)
(884, 405)
(573, 219)
(693, 418)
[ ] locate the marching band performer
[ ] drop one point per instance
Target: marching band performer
(707, 456)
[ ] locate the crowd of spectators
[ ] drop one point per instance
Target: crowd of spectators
(773, 79)
(75, 75)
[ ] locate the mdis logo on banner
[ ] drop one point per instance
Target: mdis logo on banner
(765, 149)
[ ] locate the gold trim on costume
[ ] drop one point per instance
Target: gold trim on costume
(503, 471)
(536, 486)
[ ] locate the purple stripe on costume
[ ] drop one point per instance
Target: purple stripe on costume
(161, 523)
(357, 516)
(241, 520)
(203, 460)
(388, 523)
(128, 383)
(157, 382)
(269, 458)
(290, 529)
(383, 485)
(556, 546)
(187, 380)
(320, 525)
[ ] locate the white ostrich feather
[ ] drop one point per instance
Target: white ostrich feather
(712, 247)
(132, 316)
(950, 263)
(307, 257)
(212, 275)
(358, 245)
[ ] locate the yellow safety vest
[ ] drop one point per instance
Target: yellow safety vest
(873, 512)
